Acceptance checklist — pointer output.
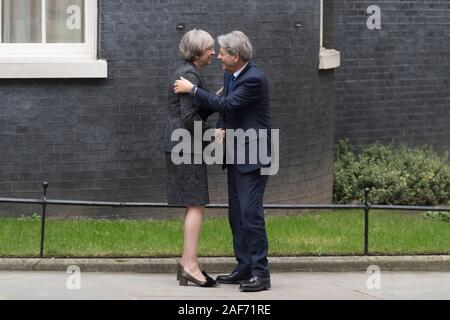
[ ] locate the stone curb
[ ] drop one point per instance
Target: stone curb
(225, 265)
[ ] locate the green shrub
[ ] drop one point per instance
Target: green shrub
(395, 174)
(442, 216)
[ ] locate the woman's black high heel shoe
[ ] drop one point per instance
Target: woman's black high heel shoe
(209, 279)
(186, 277)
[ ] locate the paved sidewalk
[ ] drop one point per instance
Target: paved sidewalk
(285, 286)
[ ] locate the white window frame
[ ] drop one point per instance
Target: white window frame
(55, 60)
(328, 58)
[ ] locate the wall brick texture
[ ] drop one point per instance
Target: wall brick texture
(394, 83)
(98, 139)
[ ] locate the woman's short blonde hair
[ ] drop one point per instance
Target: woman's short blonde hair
(194, 43)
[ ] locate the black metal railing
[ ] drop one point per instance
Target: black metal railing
(367, 207)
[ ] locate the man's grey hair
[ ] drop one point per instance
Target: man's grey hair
(194, 43)
(237, 43)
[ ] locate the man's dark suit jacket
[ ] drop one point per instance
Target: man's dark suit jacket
(246, 106)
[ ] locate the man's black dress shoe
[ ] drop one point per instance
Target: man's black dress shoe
(232, 278)
(255, 284)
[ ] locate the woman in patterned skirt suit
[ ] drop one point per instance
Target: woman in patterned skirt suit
(187, 184)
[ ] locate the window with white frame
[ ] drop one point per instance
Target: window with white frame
(49, 38)
(328, 58)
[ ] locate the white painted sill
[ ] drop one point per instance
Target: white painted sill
(52, 68)
(329, 59)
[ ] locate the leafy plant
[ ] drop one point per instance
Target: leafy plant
(35, 216)
(443, 216)
(395, 174)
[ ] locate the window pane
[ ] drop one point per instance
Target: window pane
(65, 21)
(21, 21)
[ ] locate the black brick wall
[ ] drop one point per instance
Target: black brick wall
(98, 139)
(394, 83)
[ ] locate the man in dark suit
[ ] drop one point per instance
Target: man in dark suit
(244, 107)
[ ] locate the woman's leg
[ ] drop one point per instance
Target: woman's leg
(192, 227)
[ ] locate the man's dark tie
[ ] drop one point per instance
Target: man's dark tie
(231, 83)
